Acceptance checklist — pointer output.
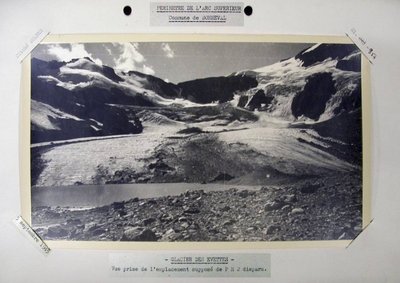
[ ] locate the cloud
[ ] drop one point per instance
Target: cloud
(130, 57)
(108, 50)
(167, 50)
(74, 51)
(148, 70)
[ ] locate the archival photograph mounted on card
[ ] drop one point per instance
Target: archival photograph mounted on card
(201, 139)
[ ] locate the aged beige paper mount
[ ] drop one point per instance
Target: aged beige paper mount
(188, 213)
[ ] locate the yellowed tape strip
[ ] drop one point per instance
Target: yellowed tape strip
(29, 45)
(362, 44)
(31, 235)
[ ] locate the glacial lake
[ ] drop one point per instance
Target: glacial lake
(85, 196)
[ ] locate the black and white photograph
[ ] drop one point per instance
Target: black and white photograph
(193, 141)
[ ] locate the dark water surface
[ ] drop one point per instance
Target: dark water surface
(98, 195)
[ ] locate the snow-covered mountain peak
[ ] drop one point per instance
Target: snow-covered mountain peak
(318, 84)
(311, 48)
(281, 85)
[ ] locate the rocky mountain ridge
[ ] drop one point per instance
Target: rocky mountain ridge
(82, 99)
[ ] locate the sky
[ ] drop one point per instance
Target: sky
(175, 61)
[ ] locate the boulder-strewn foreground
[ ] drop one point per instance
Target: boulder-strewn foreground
(315, 209)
